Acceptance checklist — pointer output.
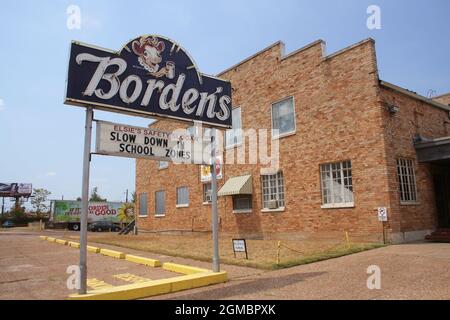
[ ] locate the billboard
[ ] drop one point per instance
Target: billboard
(70, 211)
(16, 189)
(150, 76)
(138, 142)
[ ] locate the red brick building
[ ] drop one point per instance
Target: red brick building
(349, 143)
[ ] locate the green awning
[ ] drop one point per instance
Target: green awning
(237, 185)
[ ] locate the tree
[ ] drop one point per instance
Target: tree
(39, 199)
(133, 197)
(95, 196)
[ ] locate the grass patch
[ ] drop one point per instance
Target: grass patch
(262, 253)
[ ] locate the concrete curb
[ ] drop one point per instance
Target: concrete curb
(153, 288)
(180, 268)
(74, 244)
(142, 260)
(112, 253)
(93, 249)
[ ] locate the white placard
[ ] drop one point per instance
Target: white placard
(382, 214)
(239, 245)
(137, 142)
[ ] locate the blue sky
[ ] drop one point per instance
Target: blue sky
(41, 139)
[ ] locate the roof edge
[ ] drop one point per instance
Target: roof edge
(414, 95)
(441, 95)
(251, 57)
(332, 55)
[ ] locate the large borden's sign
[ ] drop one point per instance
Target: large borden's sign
(149, 76)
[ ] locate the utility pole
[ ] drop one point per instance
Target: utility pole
(84, 200)
(214, 218)
(126, 197)
(3, 206)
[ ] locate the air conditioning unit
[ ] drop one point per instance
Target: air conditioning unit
(208, 196)
(273, 204)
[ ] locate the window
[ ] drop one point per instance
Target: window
(337, 184)
(242, 203)
(273, 191)
(283, 117)
(182, 196)
(207, 192)
(143, 205)
(163, 164)
(233, 136)
(160, 203)
(407, 180)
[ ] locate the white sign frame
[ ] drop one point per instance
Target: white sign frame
(382, 214)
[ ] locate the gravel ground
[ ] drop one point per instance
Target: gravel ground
(34, 269)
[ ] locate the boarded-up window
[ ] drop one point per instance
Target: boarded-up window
(182, 196)
(160, 203)
(143, 204)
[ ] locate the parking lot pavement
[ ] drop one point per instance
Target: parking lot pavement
(34, 269)
(409, 271)
(31, 268)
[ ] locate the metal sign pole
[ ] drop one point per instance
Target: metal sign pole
(214, 218)
(84, 199)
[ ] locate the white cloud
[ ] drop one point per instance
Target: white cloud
(2, 105)
(50, 174)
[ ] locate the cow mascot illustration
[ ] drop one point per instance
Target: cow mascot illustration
(148, 50)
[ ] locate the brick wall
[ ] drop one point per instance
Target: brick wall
(414, 118)
(340, 115)
(444, 99)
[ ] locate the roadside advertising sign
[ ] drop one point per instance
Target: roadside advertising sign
(149, 76)
(70, 211)
(16, 189)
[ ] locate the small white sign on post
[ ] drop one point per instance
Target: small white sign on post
(382, 214)
(137, 142)
(240, 245)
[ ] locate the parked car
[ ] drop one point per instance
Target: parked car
(103, 226)
(8, 224)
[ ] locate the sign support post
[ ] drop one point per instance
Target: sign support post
(84, 197)
(214, 218)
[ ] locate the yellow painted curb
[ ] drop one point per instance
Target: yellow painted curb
(112, 253)
(153, 288)
(73, 244)
(93, 249)
(43, 237)
(180, 268)
(142, 260)
(51, 239)
(61, 241)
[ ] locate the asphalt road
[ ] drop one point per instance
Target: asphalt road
(34, 269)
